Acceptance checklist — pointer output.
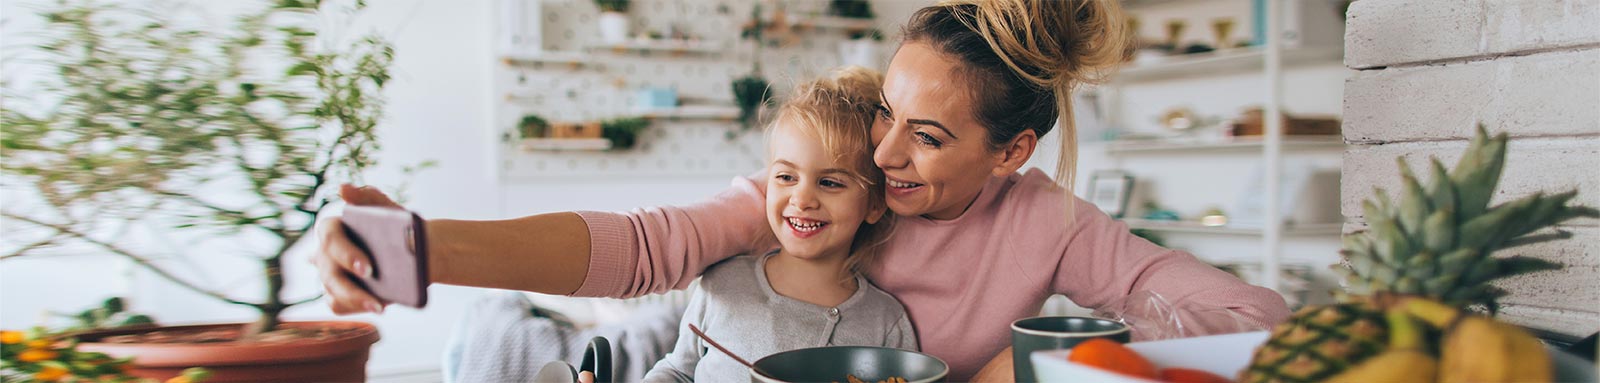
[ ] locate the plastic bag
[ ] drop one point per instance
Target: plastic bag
(1152, 317)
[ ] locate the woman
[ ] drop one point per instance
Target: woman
(972, 88)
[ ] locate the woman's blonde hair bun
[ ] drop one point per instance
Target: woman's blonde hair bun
(1052, 43)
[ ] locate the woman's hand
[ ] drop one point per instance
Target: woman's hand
(339, 260)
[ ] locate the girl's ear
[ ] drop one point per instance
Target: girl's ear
(876, 211)
(1016, 153)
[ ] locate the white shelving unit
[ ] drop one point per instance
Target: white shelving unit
(1230, 61)
(1269, 61)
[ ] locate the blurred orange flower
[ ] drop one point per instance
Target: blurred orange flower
(36, 355)
(50, 374)
(11, 337)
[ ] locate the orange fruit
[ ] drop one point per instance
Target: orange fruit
(1109, 355)
(1190, 375)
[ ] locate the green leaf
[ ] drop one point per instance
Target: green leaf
(1523, 265)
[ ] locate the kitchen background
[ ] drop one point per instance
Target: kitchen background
(1171, 143)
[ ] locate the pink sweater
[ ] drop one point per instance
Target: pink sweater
(963, 281)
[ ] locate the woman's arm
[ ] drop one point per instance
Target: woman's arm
(1104, 262)
(575, 253)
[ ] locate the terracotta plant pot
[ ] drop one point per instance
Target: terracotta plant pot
(338, 358)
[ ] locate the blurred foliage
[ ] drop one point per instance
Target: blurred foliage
(39, 355)
(620, 6)
(246, 127)
(623, 132)
(112, 313)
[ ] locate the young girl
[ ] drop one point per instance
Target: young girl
(825, 206)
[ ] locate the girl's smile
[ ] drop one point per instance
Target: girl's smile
(803, 228)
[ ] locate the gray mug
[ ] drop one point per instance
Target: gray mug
(1056, 333)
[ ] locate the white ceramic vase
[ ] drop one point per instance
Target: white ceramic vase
(863, 52)
(613, 27)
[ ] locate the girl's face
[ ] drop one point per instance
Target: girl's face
(934, 153)
(814, 203)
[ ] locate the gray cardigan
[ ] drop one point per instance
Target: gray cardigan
(737, 307)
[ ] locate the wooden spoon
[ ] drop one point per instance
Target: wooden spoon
(725, 351)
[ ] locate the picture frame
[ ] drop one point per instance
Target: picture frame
(1109, 190)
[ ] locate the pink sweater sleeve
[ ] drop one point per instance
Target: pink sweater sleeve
(652, 250)
(1105, 263)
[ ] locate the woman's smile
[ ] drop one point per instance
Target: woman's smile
(902, 188)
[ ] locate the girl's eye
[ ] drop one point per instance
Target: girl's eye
(927, 139)
(831, 183)
(883, 113)
(785, 178)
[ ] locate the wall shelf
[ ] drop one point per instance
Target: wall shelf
(575, 59)
(1229, 61)
(1251, 143)
(709, 112)
(1333, 229)
(564, 144)
(668, 46)
(835, 22)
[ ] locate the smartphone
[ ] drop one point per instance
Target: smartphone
(394, 240)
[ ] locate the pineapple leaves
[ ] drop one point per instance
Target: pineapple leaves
(1523, 265)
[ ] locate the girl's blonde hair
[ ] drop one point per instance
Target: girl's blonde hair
(1026, 57)
(837, 110)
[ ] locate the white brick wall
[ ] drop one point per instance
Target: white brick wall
(1552, 94)
(1430, 70)
(1395, 32)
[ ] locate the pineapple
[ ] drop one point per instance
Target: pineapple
(1435, 243)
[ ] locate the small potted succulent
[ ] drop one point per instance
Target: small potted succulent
(196, 133)
(613, 20)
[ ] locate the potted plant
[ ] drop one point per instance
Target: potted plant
(613, 20)
(240, 133)
(853, 9)
(751, 91)
(533, 126)
(623, 132)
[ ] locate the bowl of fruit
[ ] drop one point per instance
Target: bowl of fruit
(1199, 359)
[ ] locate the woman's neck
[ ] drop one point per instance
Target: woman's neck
(821, 281)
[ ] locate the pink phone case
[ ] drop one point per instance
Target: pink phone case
(395, 241)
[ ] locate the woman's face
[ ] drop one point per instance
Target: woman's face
(930, 146)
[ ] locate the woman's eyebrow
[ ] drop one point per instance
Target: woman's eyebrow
(919, 121)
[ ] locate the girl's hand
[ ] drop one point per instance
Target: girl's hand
(586, 377)
(339, 260)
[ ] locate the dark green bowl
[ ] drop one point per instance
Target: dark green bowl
(832, 364)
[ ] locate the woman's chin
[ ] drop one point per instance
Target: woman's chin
(905, 208)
